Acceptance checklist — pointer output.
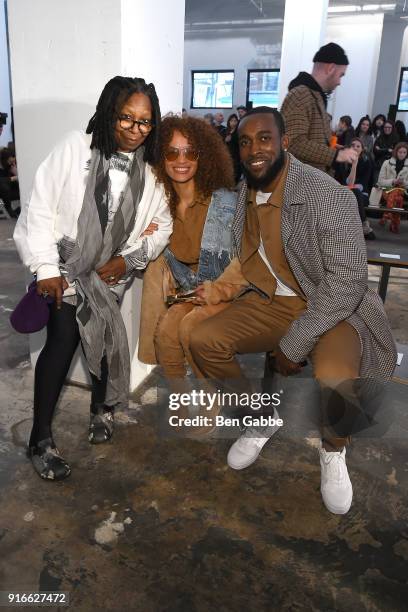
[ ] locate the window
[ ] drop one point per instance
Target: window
(402, 98)
(263, 87)
(212, 89)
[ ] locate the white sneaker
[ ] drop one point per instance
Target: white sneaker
(244, 452)
(336, 488)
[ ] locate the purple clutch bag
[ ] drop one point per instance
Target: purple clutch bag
(31, 313)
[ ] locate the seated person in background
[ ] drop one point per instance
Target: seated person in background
(393, 179)
(219, 124)
(232, 123)
(357, 176)
(384, 144)
(364, 133)
(197, 174)
(9, 188)
(401, 131)
(231, 140)
(377, 125)
(345, 131)
(84, 230)
(209, 118)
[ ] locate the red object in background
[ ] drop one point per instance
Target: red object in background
(393, 199)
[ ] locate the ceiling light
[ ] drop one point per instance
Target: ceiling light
(378, 7)
(353, 8)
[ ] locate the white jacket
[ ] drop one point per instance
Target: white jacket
(56, 201)
(388, 173)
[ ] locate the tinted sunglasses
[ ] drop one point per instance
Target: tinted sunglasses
(190, 153)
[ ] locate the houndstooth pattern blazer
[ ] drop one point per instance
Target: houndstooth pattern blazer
(308, 127)
(324, 245)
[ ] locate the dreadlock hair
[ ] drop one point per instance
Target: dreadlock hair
(214, 170)
(113, 97)
(270, 111)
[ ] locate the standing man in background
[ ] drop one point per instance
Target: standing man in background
(304, 110)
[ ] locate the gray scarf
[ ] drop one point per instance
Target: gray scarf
(100, 323)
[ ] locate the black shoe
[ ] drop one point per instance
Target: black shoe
(101, 426)
(370, 236)
(47, 461)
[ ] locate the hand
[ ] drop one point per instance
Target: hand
(152, 227)
(112, 271)
(285, 366)
(347, 156)
(199, 292)
(54, 287)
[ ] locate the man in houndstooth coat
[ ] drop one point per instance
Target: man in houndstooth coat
(300, 243)
(304, 110)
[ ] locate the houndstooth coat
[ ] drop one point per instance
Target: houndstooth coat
(308, 127)
(324, 245)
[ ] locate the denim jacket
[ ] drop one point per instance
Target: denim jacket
(216, 243)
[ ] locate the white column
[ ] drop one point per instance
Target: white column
(360, 37)
(303, 34)
(62, 54)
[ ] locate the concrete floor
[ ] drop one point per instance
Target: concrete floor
(147, 523)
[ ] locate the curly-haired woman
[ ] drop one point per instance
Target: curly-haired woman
(197, 174)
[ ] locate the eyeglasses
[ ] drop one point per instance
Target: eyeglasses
(127, 123)
(189, 153)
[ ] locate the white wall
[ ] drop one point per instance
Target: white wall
(239, 51)
(59, 66)
(5, 105)
(62, 54)
(360, 36)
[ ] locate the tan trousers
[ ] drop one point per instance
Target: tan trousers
(172, 337)
(253, 325)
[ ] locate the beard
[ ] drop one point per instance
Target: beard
(261, 182)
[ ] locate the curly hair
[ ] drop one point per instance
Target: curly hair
(215, 169)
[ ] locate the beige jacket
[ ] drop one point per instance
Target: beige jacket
(388, 174)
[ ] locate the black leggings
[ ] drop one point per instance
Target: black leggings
(362, 202)
(52, 368)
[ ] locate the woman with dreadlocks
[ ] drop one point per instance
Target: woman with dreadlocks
(95, 215)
